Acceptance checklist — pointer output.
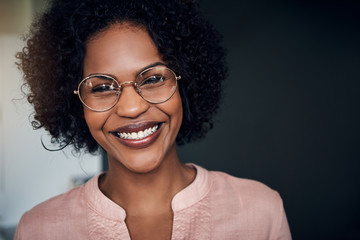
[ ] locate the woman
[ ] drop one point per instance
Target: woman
(136, 78)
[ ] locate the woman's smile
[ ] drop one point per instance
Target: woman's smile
(138, 135)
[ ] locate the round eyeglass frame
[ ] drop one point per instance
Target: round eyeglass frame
(120, 85)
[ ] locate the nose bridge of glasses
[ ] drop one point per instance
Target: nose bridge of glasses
(128, 83)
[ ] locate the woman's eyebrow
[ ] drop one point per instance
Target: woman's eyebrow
(149, 66)
(137, 73)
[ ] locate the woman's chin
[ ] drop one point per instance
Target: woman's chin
(141, 165)
(142, 168)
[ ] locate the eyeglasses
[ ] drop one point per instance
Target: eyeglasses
(100, 92)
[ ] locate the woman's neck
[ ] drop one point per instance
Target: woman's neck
(146, 193)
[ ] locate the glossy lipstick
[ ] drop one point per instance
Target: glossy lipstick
(138, 135)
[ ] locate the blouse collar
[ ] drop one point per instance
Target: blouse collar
(190, 195)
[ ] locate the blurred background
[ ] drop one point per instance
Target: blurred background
(28, 173)
(290, 114)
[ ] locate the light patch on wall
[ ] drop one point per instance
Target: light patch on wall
(15, 15)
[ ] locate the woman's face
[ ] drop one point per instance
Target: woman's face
(122, 51)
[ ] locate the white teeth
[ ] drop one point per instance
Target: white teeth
(138, 135)
(134, 135)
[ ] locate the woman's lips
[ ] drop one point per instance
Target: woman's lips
(136, 127)
(138, 135)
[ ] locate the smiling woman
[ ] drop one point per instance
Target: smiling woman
(126, 53)
(136, 78)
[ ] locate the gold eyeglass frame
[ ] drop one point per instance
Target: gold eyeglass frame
(120, 86)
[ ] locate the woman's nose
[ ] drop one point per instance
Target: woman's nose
(130, 104)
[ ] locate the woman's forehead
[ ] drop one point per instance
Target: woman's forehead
(120, 48)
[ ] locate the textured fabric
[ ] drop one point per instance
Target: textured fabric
(214, 206)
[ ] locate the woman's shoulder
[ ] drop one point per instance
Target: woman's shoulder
(248, 192)
(223, 184)
(55, 212)
(60, 203)
(250, 204)
(243, 184)
(244, 206)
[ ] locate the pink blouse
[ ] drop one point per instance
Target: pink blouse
(214, 206)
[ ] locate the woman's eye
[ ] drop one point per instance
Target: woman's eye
(153, 80)
(102, 88)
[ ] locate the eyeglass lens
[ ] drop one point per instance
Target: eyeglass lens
(101, 92)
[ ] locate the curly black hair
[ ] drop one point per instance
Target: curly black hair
(52, 61)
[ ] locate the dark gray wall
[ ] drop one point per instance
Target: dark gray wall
(290, 115)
